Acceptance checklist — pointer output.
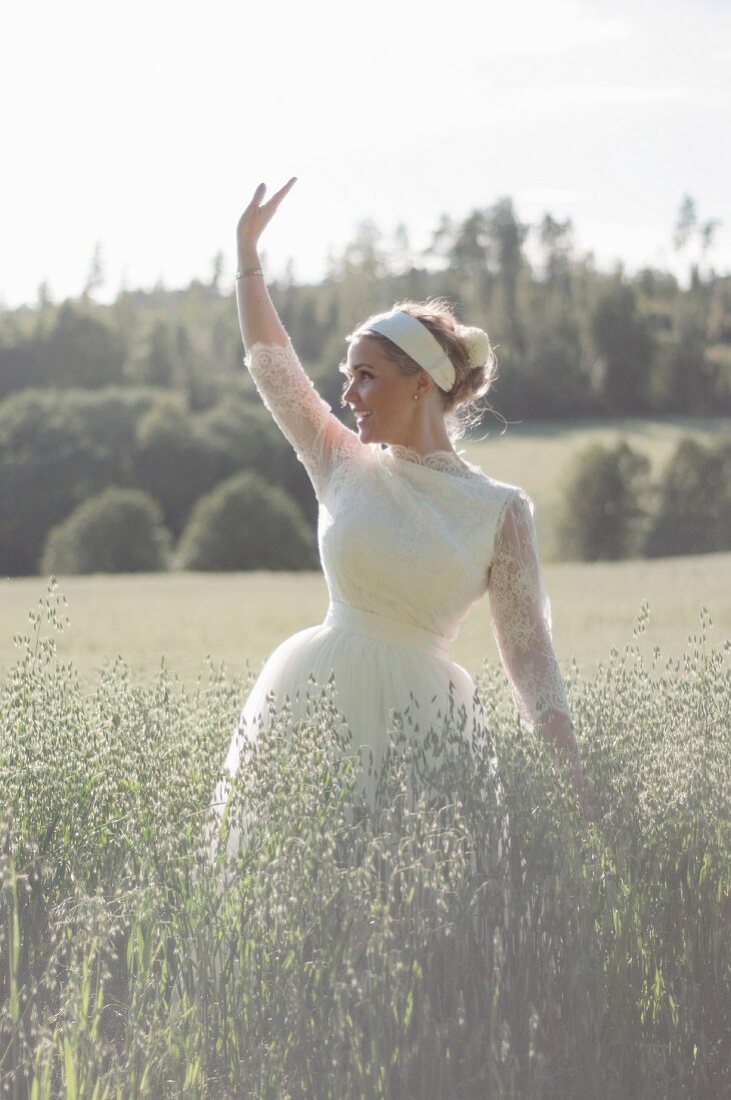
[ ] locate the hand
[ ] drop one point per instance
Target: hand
(585, 792)
(257, 216)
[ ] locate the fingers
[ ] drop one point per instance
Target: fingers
(589, 802)
(585, 791)
(279, 195)
(258, 214)
(274, 201)
(257, 196)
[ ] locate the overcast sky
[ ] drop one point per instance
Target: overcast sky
(148, 125)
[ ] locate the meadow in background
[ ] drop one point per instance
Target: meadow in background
(237, 619)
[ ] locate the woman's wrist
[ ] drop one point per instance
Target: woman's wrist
(557, 730)
(247, 257)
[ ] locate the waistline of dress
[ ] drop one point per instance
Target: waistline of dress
(386, 629)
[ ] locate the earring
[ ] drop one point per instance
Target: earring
(416, 397)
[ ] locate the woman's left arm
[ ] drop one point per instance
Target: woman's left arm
(521, 620)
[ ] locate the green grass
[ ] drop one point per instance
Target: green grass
(239, 618)
(534, 454)
(450, 941)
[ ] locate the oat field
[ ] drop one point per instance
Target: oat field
(467, 935)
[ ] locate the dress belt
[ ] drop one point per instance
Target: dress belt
(388, 630)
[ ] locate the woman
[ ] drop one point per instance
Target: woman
(410, 535)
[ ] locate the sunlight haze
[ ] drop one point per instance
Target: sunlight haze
(147, 127)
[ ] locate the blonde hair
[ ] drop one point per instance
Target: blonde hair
(463, 404)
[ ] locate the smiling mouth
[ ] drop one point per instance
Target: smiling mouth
(361, 417)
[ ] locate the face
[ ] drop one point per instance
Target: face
(380, 395)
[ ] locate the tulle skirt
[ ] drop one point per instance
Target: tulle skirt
(382, 673)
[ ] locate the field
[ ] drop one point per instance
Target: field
(241, 617)
(238, 619)
(459, 939)
(455, 940)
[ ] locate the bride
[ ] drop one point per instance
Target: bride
(410, 535)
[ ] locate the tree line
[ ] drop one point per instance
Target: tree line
(572, 341)
(148, 392)
(61, 452)
(609, 509)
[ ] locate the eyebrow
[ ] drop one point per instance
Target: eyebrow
(345, 369)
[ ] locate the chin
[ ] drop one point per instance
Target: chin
(366, 433)
(370, 433)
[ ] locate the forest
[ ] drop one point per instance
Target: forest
(136, 415)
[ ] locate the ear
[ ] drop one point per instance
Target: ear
(424, 383)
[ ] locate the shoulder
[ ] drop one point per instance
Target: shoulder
(502, 494)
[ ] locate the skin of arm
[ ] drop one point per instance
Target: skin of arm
(258, 319)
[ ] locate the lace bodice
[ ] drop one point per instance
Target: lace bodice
(446, 461)
(419, 538)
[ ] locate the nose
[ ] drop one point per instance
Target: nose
(347, 392)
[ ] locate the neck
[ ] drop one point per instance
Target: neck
(425, 435)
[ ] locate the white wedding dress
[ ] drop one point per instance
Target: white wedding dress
(408, 542)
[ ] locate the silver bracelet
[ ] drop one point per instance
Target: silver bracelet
(249, 271)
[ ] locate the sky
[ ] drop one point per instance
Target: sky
(146, 127)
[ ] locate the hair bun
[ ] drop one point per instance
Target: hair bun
(478, 345)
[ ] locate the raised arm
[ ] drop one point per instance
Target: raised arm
(258, 319)
(305, 419)
(521, 619)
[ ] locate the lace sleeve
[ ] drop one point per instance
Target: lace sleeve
(306, 420)
(521, 620)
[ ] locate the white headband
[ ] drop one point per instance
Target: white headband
(416, 340)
